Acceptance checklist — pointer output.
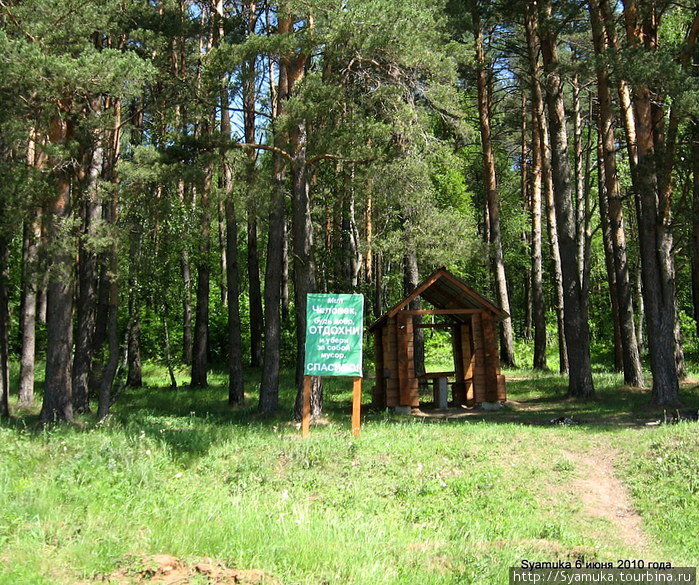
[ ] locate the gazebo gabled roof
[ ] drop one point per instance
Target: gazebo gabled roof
(444, 291)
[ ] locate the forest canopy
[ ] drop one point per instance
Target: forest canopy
(177, 175)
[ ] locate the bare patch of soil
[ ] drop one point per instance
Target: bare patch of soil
(165, 569)
(604, 496)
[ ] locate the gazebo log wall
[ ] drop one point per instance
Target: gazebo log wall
(476, 359)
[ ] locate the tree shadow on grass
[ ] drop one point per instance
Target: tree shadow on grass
(189, 421)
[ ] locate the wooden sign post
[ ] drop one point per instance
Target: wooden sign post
(334, 334)
(356, 406)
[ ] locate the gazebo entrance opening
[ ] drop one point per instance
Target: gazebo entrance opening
(472, 321)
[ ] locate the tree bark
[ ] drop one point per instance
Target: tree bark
(86, 309)
(4, 327)
(497, 261)
(111, 364)
(304, 264)
(533, 49)
(378, 285)
(655, 237)
(269, 385)
(30, 281)
(579, 176)
(352, 257)
(286, 298)
(236, 389)
(695, 223)
(537, 271)
(253, 259)
(200, 341)
(525, 182)
(633, 372)
(257, 322)
(576, 326)
(609, 260)
(58, 388)
(223, 281)
(110, 369)
(187, 343)
(411, 279)
(134, 376)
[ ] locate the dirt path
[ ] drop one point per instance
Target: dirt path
(604, 496)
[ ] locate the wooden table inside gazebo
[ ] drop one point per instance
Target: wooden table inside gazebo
(440, 386)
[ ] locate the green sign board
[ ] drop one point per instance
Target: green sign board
(334, 329)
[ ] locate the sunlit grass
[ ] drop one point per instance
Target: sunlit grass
(413, 500)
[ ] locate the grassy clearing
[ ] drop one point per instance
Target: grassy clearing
(413, 500)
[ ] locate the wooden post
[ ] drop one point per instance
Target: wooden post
(403, 335)
(479, 378)
(306, 412)
(390, 358)
(469, 361)
(356, 405)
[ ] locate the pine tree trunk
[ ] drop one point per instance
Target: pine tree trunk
(43, 276)
(526, 190)
(200, 341)
(579, 177)
(609, 260)
(533, 50)
(110, 369)
(411, 279)
(507, 355)
(86, 309)
(58, 388)
(351, 255)
(255, 292)
(655, 237)
(304, 264)
(4, 327)
(236, 388)
(695, 223)
(203, 198)
(236, 391)
(378, 285)
(269, 384)
(285, 298)
(576, 326)
(633, 372)
(134, 376)
(369, 239)
(537, 287)
(99, 335)
(253, 260)
(111, 363)
(30, 280)
(186, 309)
(223, 281)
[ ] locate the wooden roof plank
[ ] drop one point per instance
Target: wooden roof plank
(469, 297)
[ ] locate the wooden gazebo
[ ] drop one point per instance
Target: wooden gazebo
(473, 322)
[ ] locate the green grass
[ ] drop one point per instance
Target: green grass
(413, 500)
